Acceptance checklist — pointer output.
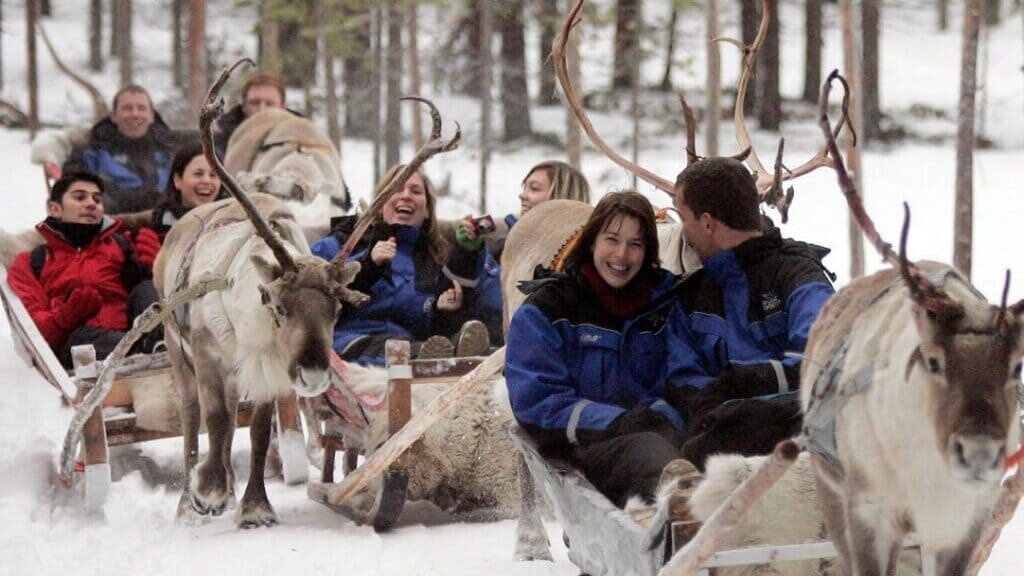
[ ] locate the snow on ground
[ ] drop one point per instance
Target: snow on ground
(45, 532)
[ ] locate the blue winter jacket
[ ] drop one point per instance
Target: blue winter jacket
(743, 311)
(572, 368)
(403, 293)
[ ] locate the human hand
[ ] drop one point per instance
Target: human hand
(147, 246)
(83, 303)
(451, 299)
(384, 251)
(468, 227)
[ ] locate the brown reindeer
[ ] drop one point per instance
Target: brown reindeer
(910, 395)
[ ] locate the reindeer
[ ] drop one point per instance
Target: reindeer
(910, 396)
(269, 332)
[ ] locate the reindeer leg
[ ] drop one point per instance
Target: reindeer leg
(255, 509)
(231, 406)
(209, 481)
(875, 537)
(833, 509)
(531, 537)
(955, 562)
(189, 413)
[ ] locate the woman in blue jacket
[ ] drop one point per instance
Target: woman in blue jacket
(419, 285)
(586, 354)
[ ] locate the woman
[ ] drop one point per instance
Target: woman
(419, 285)
(551, 180)
(586, 349)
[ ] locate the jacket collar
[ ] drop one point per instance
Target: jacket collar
(105, 134)
(107, 227)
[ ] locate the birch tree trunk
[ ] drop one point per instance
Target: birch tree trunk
(31, 69)
(964, 212)
(713, 81)
(393, 122)
(96, 35)
(812, 50)
(851, 61)
(270, 39)
(871, 29)
(196, 56)
(486, 34)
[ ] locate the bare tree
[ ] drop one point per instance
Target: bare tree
(812, 50)
(1, 47)
(572, 130)
(393, 122)
(547, 17)
(851, 61)
(713, 80)
(770, 100)
(750, 18)
(993, 8)
(870, 11)
(362, 91)
(123, 27)
(196, 56)
(270, 38)
(942, 8)
(964, 212)
(45, 8)
(515, 99)
(375, 80)
(32, 76)
(412, 19)
(486, 33)
(670, 46)
(96, 35)
(177, 46)
(627, 50)
(634, 85)
(115, 26)
(331, 99)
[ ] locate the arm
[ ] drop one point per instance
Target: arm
(544, 396)
(802, 308)
(55, 319)
(369, 272)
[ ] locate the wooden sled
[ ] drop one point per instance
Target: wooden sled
(403, 373)
(603, 540)
(114, 423)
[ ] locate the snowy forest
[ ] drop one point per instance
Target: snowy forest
(936, 102)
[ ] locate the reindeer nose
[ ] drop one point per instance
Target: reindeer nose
(980, 457)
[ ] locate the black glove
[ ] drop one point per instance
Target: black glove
(642, 419)
(736, 381)
(750, 426)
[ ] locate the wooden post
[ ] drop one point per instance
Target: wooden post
(397, 355)
(851, 61)
(486, 33)
(32, 75)
(96, 473)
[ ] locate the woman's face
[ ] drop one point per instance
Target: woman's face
(536, 189)
(619, 251)
(409, 205)
(199, 184)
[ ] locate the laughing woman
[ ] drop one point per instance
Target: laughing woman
(422, 289)
(585, 353)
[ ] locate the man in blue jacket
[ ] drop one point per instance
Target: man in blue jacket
(131, 150)
(742, 320)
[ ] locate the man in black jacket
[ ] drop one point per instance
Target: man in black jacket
(260, 92)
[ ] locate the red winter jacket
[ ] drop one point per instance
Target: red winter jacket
(98, 265)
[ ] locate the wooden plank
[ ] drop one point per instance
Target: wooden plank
(288, 413)
(444, 367)
(396, 355)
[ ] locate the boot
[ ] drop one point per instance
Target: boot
(436, 347)
(473, 340)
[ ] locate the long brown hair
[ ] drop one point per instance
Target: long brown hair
(567, 183)
(625, 203)
(436, 244)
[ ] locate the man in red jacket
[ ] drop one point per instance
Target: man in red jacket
(85, 284)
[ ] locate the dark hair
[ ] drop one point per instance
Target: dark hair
(263, 79)
(624, 203)
(567, 183)
(134, 88)
(64, 182)
(724, 188)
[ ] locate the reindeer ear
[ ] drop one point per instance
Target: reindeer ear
(268, 271)
(345, 274)
(932, 355)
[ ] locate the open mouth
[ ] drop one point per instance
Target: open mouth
(405, 210)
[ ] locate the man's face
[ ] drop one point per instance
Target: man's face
(133, 115)
(81, 204)
(696, 231)
(259, 98)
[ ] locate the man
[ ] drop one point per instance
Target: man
(740, 317)
(261, 91)
(131, 150)
(87, 282)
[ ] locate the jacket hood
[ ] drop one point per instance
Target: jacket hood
(51, 234)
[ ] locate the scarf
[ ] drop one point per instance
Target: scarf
(624, 302)
(78, 235)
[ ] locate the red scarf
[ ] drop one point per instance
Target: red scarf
(624, 302)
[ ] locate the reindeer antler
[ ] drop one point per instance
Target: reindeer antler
(929, 296)
(562, 72)
(429, 149)
(766, 181)
(212, 108)
(691, 130)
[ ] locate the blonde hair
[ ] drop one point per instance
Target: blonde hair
(436, 244)
(567, 183)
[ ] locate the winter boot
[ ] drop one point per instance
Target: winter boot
(473, 339)
(436, 347)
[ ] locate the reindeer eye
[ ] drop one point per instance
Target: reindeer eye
(933, 366)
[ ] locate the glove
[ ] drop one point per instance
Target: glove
(147, 246)
(462, 237)
(81, 305)
(751, 426)
(642, 419)
(750, 380)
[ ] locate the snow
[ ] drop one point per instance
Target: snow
(45, 531)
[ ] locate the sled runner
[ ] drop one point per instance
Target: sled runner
(139, 407)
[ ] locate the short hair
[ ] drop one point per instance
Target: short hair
(263, 79)
(623, 203)
(724, 188)
(60, 187)
(135, 89)
(567, 183)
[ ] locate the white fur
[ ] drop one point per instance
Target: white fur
(12, 244)
(54, 146)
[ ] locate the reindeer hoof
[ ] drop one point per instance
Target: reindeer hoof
(256, 515)
(208, 507)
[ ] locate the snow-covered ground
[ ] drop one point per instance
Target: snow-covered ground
(44, 531)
